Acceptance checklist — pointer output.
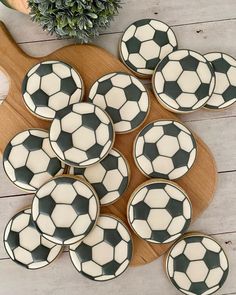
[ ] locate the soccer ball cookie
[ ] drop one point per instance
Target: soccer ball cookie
(224, 94)
(159, 211)
(183, 81)
(144, 44)
(123, 97)
(81, 134)
(65, 209)
(165, 149)
(50, 86)
(109, 178)
(105, 253)
(29, 160)
(197, 265)
(25, 245)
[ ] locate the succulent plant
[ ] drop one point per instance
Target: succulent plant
(80, 19)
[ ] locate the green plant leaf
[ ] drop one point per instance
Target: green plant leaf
(80, 19)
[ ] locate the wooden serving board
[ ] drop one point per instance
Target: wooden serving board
(93, 62)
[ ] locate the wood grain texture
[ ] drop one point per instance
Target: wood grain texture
(93, 62)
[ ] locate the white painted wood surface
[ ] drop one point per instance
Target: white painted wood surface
(203, 25)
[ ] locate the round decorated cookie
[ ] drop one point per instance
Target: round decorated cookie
(183, 81)
(197, 265)
(81, 134)
(144, 43)
(159, 211)
(224, 94)
(165, 149)
(50, 86)
(25, 245)
(106, 252)
(29, 160)
(123, 97)
(109, 178)
(65, 209)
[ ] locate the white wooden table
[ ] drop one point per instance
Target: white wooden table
(202, 25)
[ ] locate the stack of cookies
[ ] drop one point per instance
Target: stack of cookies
(73, 169)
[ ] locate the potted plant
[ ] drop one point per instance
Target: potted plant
(80, 19)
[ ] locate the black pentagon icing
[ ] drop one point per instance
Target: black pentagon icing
(63, 112)
(80, 205)
(172, 89)
(32, 223)
(160, 235)
(84, 252)
(189, 63)
(197, 239)
(112, 237)
(104, 87)
(171, 130)
(63, 233)
(175, 208)
(220, 65)
(198, 288)
(158, 175)
(181, 159)
(123, 184)
(186, 225)
(162, 64)
(7, 152)
(202, 91)
(156, 186)
(224, 277)
(110, 129)
(142, 22)
(33, 143)
(46, 205)
(146, 129)
(161, 38)
(88, 276)
(90, 121)
(68, 86)
(132, 92)
(130, 65)
(212, 259)
(40, 253)
(110, 268)
(13, 240)
(40, 98)
(90, 227)
(24, 174)
(79, 171)
(138, 119)
(65, 141)
(230, 93)
(114, 114)
(54, 166)
(130, 250)
(133, 45)
(24, 84)
(44, 69)
(141, 211)
(100, 189)
(181, 263)
(95, 151)
(65, 179)
(110, 162)
(150, 151)
(152, 63)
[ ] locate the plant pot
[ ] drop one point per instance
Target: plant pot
(20, 5)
